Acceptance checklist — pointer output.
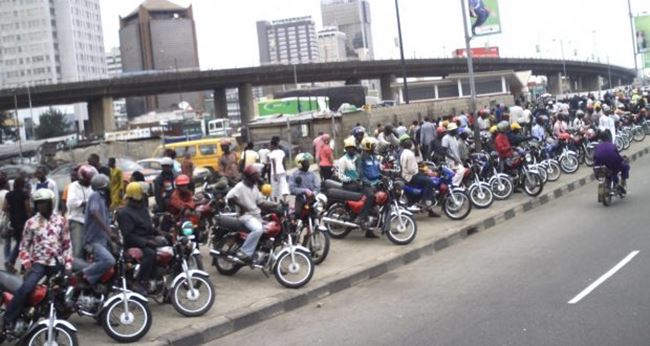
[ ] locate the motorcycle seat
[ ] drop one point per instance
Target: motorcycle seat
(9, 282)
(332, 184)
(79, 264)
(343, 195)
(231, 223)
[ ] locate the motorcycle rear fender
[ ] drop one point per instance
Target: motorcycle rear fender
(404, 212)
(481, 183)
(192, 272)
(196, 251)
(459, 188)
(57, 322)
(288, 249)
(120, 295)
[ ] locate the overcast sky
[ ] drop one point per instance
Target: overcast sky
(227, 35)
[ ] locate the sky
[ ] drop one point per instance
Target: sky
(227, 36)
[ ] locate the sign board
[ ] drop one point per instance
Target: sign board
(486, 52)
(485, 17)
(642, 32)
(290, 106)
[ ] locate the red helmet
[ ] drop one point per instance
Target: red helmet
(565, 136)
(86, 172)
(182, 180)
(250, 170)
(441, 129)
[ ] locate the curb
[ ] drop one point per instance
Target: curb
(205, 331)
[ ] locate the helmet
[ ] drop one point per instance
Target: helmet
(452, 126)
(267, 189)
(166, 161)
(41, 195)
(187, 228)
(250, 170)
(368, 143)
(564, 136)
(349, 142)
(494, 129)
(591, 133)
(224, 142)
(358, 130)
(404, 137)
(445, 123)
(303, 157)
(580, 113)
(99, 181)
(86, 172)
(182, 180)
(515, 127)
(134, 191)
(503, 125)
(440, 130)
(605, 107)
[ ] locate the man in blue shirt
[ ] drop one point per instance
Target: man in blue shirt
(478, 10)
(303, 184)
(369, 174)
(606, 154)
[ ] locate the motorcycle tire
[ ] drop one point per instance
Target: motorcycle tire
(457, 211)
(203, 286)
(619, 143)
(639, 134)
(553, 171)
(394, 233)
(280, 270)
(335, 231)
(628, 143)
(535, 187)
(506, 189)
(109, 320)
(38, 336)
(484, 202)
(589, 158)
(569, 164)
(226, 244)
(607, 196)
(542, 173)
(319, 245)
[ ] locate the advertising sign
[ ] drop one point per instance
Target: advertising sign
(642, 28)
(479, 52)
(485, 17)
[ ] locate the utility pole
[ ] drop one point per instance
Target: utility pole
(19, 137)
(401, 53)
(636, 65)
(31, 112)
(470, 70)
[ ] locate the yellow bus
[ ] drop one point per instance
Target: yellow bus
(205, 152)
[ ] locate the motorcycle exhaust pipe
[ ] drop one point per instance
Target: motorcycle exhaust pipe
(338, 222)
(228, 258)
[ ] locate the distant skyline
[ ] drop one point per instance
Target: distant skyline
(227, 36)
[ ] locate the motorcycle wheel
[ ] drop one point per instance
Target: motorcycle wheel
(627, 141)
(196, 302)
(501, 192)
(459, 210)
(569, 164)
(533, 184)
(302, 268)
(336, 231)
(553, 170)
(402, 233)
(542, 173)
(607, 196)
(639, 134)
(319, 245)
(226, 245)
(619, 143)
(62, 336)
(479, 201)
(123, 328)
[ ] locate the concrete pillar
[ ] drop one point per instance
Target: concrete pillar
(435, 91)
(620, 82)
(504, 86)
(460, 88)
(387, 92)
(579, 84)
(591, 83)
(553, 83)
(246, 108)
(101, 116)
(220, 103)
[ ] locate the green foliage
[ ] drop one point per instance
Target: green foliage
(52, 124)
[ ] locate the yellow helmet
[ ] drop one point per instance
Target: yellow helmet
(494, 129)
(267, 190)
(350, 142)
(134, 191)
(368, 143)
(515, 126)
(445, 123)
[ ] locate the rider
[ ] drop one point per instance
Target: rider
(182, 199)
(606, 154)
(246, 195)
(46, 243)
(347, 165)
(303, 182)
(163, 185)
(411, 173)
(370, 173)
(358, 134)
(452, 154)
(135, 223)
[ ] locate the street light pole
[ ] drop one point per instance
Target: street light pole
(401, 53)
(295, 76)
(636, 65)
(31, 113)
(470, 70)
(20, 140)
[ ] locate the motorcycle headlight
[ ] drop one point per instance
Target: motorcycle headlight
(529, 157)
(322, 199)
(318, 206)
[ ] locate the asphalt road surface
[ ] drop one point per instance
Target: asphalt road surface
(510, 285)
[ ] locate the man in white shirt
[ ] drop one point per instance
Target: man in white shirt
(78, 194)
(516, 112)
(278, 172)
(43, 182)
(606, 122)
(411, 173)
(452, 153)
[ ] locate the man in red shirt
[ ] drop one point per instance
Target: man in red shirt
(502, 145)
(326, 158)
(182, 199)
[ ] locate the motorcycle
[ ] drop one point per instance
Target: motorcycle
(387, 215)
(43, 302)
(276, 250)
(500, 183)
(191, 292)
(125, 315)
(524, 177)
(479, 191)
(568, 159)
(308, 231)
(607, 188)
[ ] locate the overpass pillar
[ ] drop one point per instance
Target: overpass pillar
(246, 108)
(387, 92)
(553, 83)
(591, 83)
(220, 103)
(101, 115)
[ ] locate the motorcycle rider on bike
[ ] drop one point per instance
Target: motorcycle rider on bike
(137, 228)
(45, 245)
(606, 154)
(411, 173)
(369, 173)
(303, 183)
(452, 154)
(246, 195)
(163, 185)
(182, 199)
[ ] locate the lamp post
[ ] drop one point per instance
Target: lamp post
(636, 65)
(401, 53)
(470, 70)
(20, 141)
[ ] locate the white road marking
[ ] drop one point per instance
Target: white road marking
(602, 279)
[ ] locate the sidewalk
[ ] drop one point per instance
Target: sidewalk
(249, 297)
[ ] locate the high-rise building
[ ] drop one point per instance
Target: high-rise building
(51, 41)
(353, 18)
(114, 62)
(159, 35)
(288, 41)
(331, 43)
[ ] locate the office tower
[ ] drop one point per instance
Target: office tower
(331, 43)
(353, 18)
(288, 41)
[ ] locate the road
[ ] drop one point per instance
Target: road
(508, 286)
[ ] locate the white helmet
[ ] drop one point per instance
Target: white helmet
(166, 161)
(41, 195)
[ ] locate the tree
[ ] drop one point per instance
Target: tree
(52, 124)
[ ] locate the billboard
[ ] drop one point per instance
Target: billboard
(485, 17)
(480, 52)
(642, 28)
(290, 106)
